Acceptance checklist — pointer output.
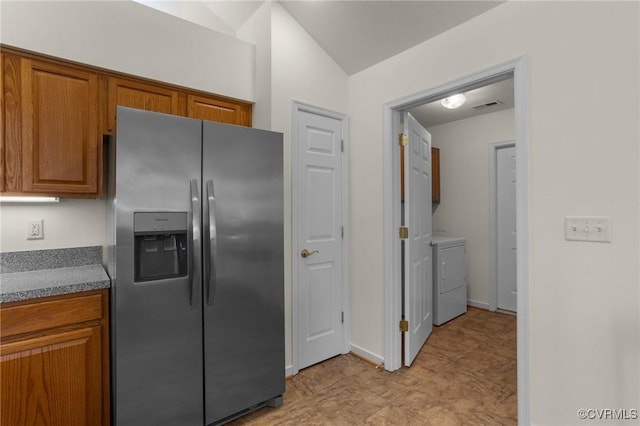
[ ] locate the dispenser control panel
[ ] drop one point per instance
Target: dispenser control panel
(161, 249)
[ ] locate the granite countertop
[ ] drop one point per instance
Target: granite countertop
(40, 273)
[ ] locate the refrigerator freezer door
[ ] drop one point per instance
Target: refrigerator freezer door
(156, 323)
(244, 318)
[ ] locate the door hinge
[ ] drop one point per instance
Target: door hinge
(403, 139)
(342, 145)
(403, 233)
(342, 319)
(404, 326)
(342, 232)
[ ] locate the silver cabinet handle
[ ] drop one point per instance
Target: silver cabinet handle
(194, 244)
(212, 243)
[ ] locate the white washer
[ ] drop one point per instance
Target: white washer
(449, 278)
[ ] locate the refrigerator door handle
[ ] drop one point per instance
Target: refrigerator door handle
(212, 243)
(195, 241)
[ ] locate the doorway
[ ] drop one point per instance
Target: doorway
(392, 267)
(319, 240)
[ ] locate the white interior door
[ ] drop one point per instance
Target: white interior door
(418, 290)
(506, 227)
(319, 243)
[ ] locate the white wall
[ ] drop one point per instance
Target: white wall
(583, 160)
(129, 37)
(71, 223)
(463, 210)
(121, 36)
(192, 11)
(301, 70)
(257, 31)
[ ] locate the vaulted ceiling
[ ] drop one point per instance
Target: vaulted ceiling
(356, 34)
(360, 34)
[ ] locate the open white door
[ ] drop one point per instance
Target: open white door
(418, 266)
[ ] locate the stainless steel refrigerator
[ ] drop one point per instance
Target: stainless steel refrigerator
(196, 258)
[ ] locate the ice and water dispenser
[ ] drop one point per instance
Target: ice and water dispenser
(160, 245)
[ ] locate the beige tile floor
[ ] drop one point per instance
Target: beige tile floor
(464, 375)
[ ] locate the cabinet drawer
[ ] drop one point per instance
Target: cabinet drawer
(30, 316)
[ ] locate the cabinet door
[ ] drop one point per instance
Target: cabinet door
(3, 136)
(435, 175)
(140, 95)
(11, 142)
(205, 108)
(60, 145)
(52, 380)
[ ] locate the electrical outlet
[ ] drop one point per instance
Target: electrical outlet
(587, 228)
(35, 229)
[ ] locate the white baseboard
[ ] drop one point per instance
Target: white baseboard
(476, 304)
(289, 371)
(369, 356)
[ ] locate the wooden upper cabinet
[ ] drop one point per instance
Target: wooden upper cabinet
(61, 149)
(3, 136)
(140, 95)
(55, 113)
(11, 143)
(207, 108)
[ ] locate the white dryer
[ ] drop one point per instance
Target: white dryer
(449, 278)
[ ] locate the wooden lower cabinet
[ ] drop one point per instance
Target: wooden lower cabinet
(54, 361)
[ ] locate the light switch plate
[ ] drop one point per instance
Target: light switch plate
(587, 228)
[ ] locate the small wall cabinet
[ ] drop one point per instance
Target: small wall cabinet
(54, 361)
(435, 175)
(55, 112)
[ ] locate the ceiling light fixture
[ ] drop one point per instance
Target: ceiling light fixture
(453, 102)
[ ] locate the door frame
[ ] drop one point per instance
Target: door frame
(296, 108)
(493, 220)
(519, 69)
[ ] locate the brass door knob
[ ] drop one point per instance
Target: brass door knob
(306, 253)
